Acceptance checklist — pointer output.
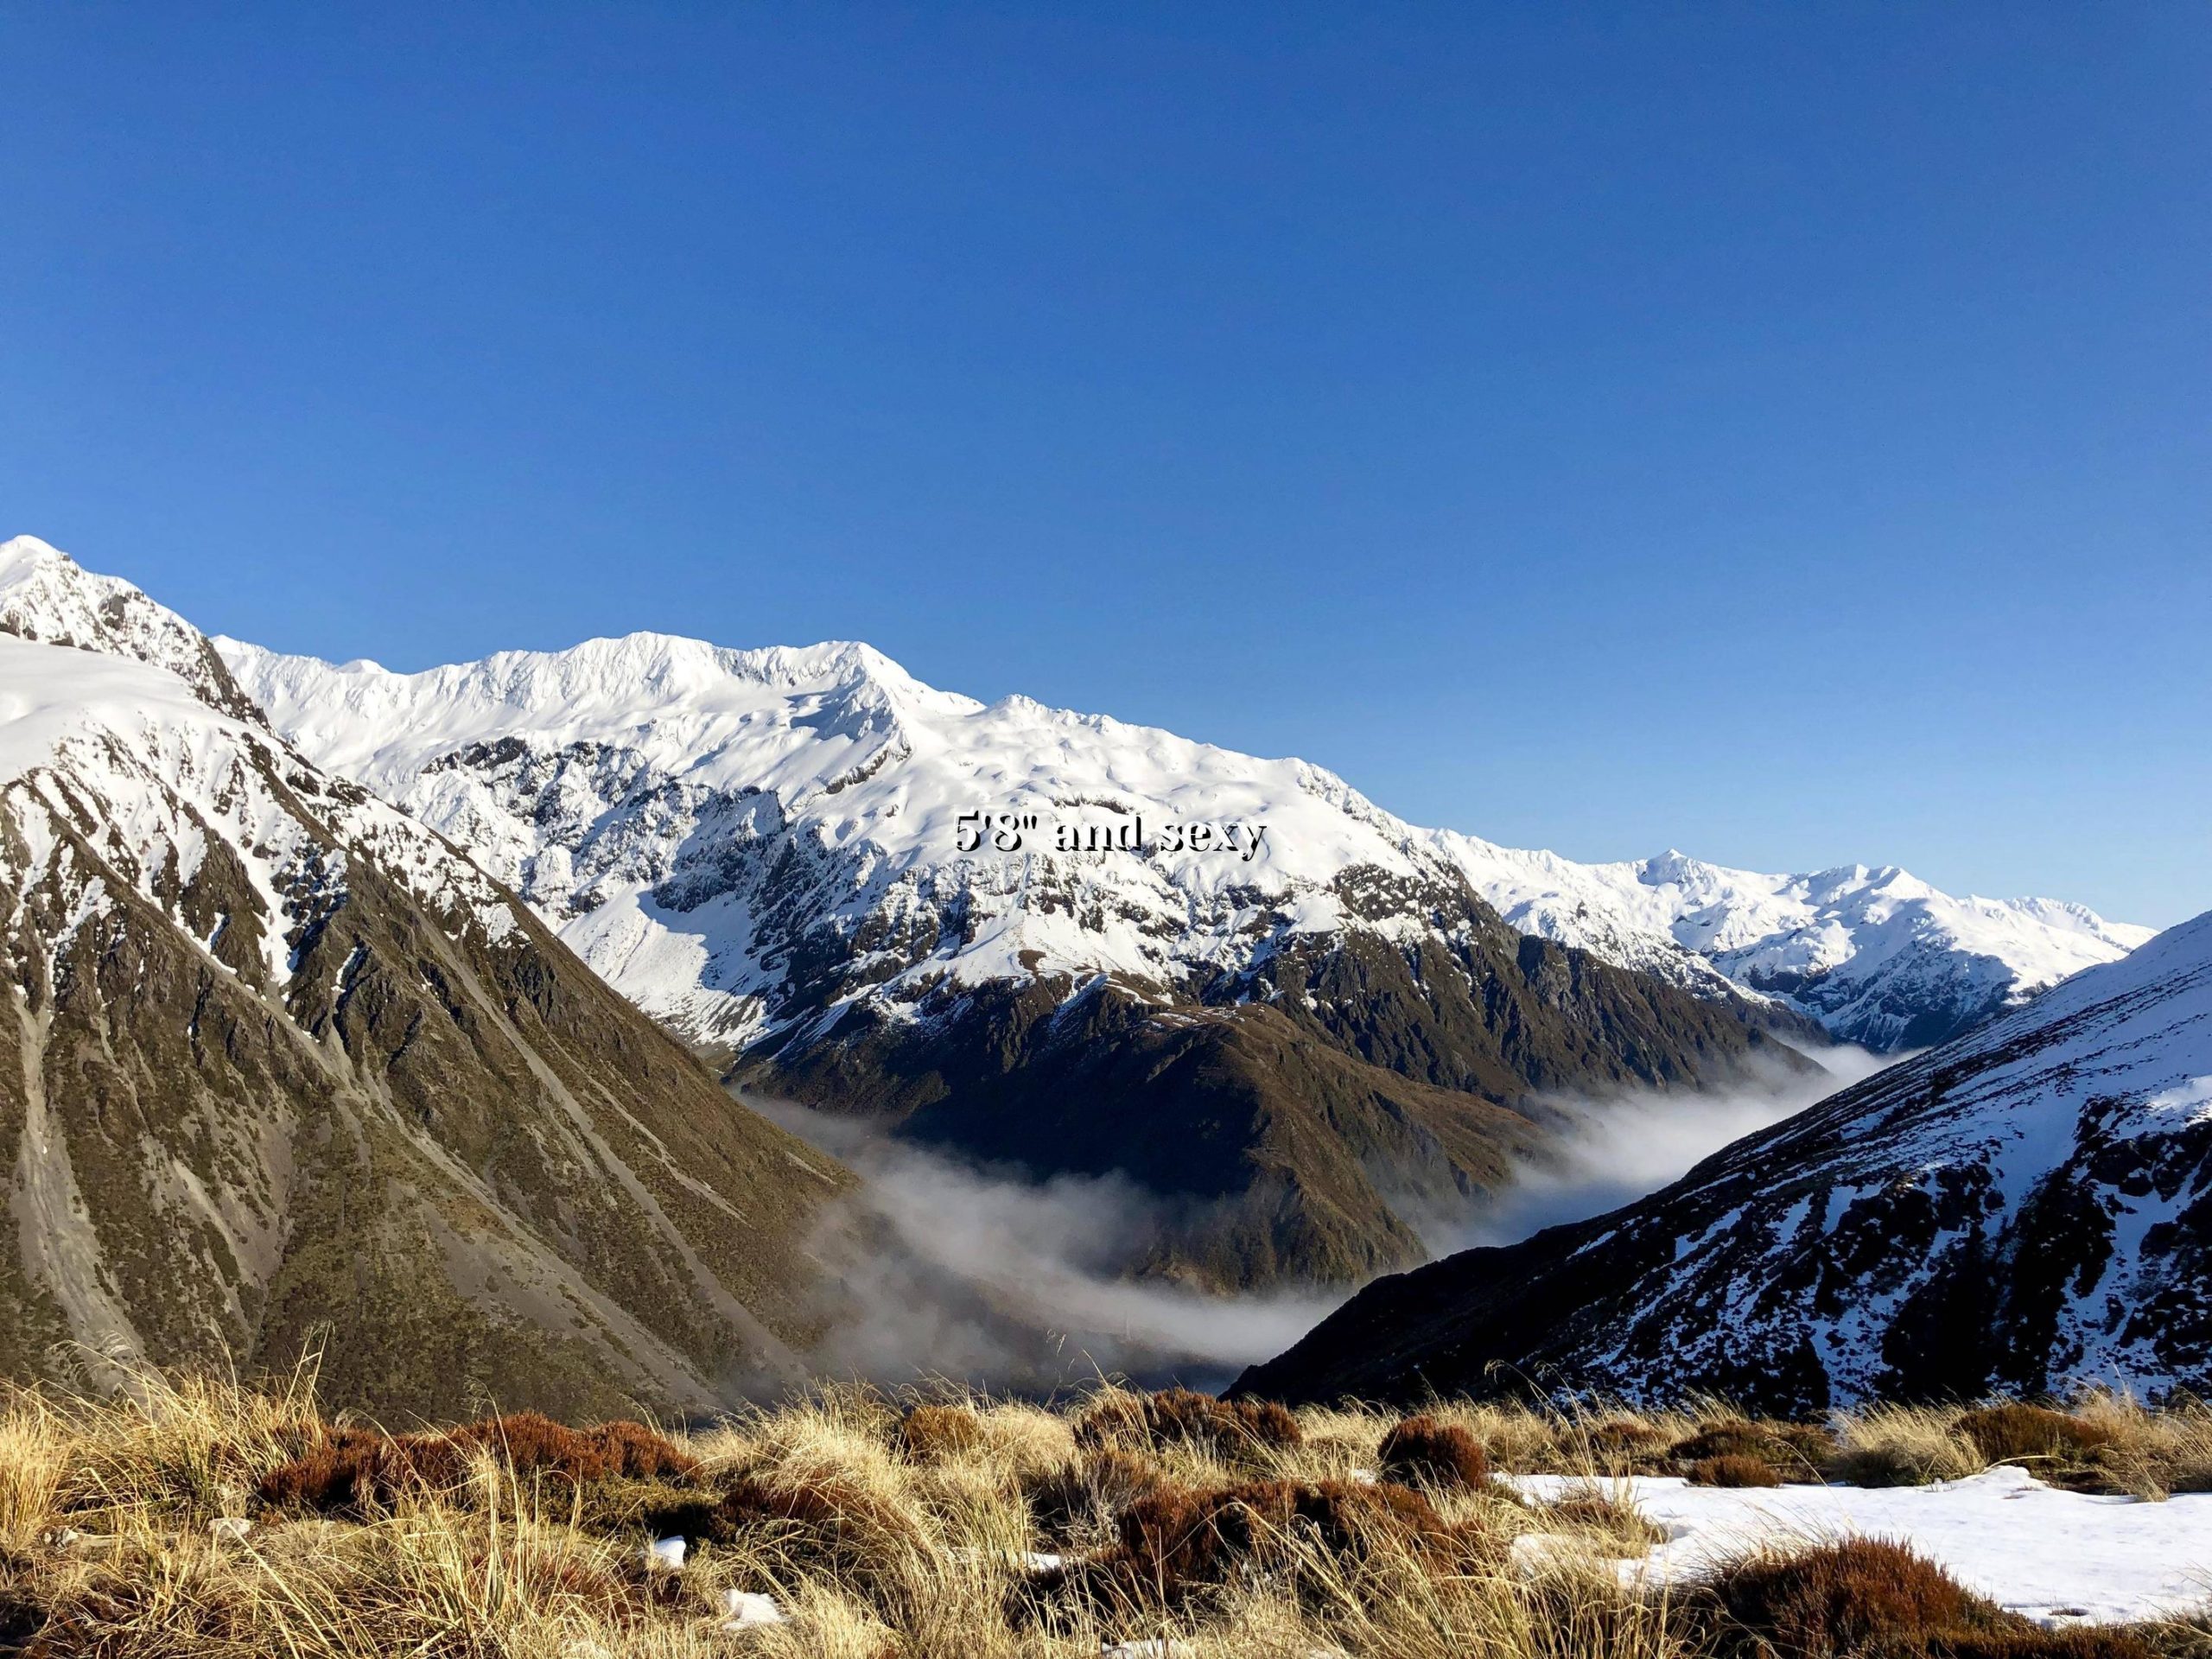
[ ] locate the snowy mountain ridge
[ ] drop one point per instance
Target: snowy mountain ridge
(864, 755)
(1878, 956)
(647, 792)
(1313, 1040)
(694, 819)
(47, 596)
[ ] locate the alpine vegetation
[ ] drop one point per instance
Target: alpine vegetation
(199, 1520)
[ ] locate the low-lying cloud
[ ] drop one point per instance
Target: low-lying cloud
(951, 1268)
(1612, 1149)
(945, 1267)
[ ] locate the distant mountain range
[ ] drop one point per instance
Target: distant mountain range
(283, 1069)
(1879, 957)
(1234, 981)
(2027, 1207)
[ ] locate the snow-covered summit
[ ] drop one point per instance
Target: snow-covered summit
(46, 595)
(677, 696)
(649, 792)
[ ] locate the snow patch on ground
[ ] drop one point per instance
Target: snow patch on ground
(2058, 1557)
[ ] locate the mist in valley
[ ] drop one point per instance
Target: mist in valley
(1608, 1150)
(992, 1276)
(943, 1267)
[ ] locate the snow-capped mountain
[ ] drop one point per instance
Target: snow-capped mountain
(638, 791)
(1308, 1045)
(47, 596)
(650, 795)
(281, 1058)
(1878, 957)
(2027, 1206)
(766, 850)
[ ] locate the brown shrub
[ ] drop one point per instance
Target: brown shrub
(1228, 1428)
(1441, 1454)
(1734, 1438)
(1084, 1496)
(1116, 1419)
(1732, 1470)
(633, 1451)
(1807, 1448)
(2031, 1644)
(624, 1508)
(932, 1434)
(352, 1470)
(1813, 1445)
(2005, 1432)
(1627, 1434)
(1847, 1598)
(529, 1443)
(1177, 1540)
(1621, 1445)
(829, 1522)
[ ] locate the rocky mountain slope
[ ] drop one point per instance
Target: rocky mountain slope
(281, 1069)
(993, 925)
(1234, 980)
(2025, 1206)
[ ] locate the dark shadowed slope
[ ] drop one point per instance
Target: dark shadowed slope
(2028, 1205)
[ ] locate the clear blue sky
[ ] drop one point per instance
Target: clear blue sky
(1782, 431)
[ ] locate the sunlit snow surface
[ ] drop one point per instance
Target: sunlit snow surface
(2058, 1557)
(625, 756)
(125, 757)
(1856, 947)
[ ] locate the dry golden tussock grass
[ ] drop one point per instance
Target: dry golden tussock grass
(881, 1525)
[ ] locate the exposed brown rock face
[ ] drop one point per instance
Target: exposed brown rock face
(280, 1069)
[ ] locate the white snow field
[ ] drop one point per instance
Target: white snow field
(2058, 1557)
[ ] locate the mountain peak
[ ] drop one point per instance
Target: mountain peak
(28, 552)
(839, 729)
(48, 597)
